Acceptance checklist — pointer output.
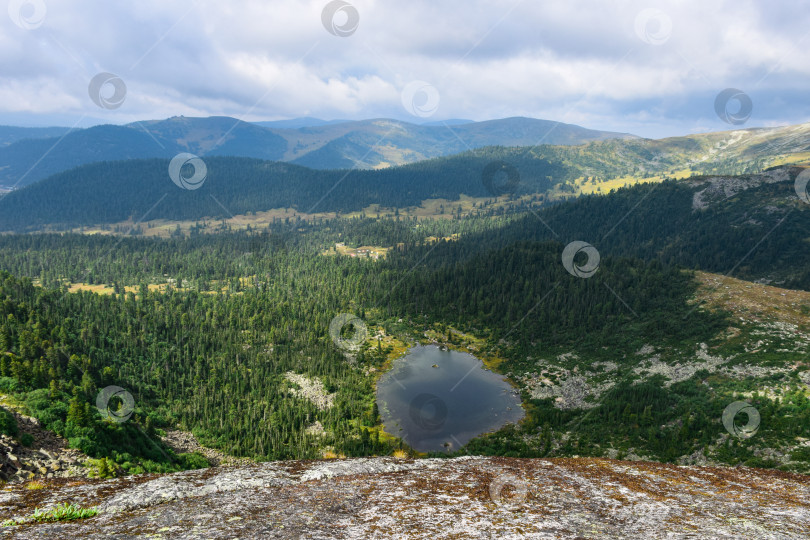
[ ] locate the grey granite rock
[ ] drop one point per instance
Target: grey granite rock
(471, 497)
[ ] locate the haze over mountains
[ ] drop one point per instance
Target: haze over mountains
(31, 154)
(109, 174)
(317, 144)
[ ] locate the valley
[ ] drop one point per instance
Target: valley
(374, 270)
(670, 353)
(229, 340)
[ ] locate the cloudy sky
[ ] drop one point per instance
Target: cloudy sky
(652, 68)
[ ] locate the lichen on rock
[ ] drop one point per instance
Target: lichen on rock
(469, 497)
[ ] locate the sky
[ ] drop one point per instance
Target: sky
(652, 68)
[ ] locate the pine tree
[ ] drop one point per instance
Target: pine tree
(76, 411)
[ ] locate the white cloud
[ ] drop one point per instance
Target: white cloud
(576, 59)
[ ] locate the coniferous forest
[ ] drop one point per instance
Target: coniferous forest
(202, 330)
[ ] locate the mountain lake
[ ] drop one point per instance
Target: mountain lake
(437, 400)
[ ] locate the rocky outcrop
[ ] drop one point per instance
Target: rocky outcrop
(719, 188)
(185, 442)
(47, 455)
(311, 389)
(472, 497)
(19, 463)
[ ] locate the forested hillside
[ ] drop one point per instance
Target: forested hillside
(367, 144)
(205, 331)
(26, 161)
(132, 190)
(142, 189)
(753, 227)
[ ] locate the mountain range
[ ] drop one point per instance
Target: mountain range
(29, 154)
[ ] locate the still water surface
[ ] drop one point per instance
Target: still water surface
(441, 408)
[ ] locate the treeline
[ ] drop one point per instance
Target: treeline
(209, 262)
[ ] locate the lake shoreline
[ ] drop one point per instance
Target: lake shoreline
(419, 411)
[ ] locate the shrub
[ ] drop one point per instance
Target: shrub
(193, 460)
(102, 468)
(8, 424)
(9, 385)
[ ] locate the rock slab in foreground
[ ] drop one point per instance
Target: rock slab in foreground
(470, 497)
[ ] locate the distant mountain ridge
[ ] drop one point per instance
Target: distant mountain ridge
(296, 123)
(32, 154)
(314, 143)
(12, 134)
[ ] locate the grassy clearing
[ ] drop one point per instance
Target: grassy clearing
(429, 209)
(754, 302)
(604, 187)
(801, 158)
(106, 289)
(370, 252)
